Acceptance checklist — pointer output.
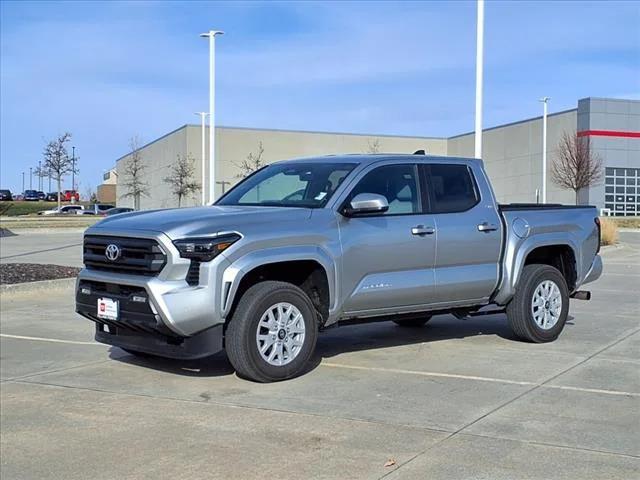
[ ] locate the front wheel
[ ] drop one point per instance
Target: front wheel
(272, 333)
(539, 309)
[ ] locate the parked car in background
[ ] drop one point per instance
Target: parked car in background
(372, 237)
(67, 195)
(117, 211)
(95, 209)
(64, 210)
(31, 196)
(42, 196)
(18, 197)
(5, 195)
(52, 197)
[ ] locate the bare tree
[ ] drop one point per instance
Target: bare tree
(57, 160)
(576, 166)
(252, 163)
(181, 178)
(373, 146)
(133, 179)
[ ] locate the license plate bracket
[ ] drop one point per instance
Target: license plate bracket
(108, 309)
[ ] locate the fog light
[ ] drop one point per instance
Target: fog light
(137, 298)
(85, 291)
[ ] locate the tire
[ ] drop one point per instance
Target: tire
(413, 322)
(532, 287)
(248, 327)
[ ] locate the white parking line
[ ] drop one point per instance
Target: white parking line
(382, 369)
(51, 340)
(476, 378)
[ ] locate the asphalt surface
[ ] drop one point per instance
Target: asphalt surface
(456, 399)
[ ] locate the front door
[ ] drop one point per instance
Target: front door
(388, 258)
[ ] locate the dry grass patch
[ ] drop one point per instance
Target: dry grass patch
(609, 231)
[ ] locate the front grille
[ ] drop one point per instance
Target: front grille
(138, 256)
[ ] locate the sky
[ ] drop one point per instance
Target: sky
(107, 71)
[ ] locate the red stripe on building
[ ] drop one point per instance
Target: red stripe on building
(608, 133)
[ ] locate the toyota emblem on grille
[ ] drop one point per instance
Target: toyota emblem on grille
(112, 252)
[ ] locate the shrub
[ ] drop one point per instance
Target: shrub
(609, 231)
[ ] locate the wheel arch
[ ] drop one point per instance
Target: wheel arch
(555, 250)
(309, 268)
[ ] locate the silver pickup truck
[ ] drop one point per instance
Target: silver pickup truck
(305, 244)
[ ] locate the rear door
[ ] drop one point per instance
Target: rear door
(468, 233)
(388, 258)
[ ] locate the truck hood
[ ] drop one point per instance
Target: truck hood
(191, 222)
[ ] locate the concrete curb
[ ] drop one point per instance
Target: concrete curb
(30, 287)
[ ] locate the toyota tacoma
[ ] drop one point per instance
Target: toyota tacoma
(302, 245)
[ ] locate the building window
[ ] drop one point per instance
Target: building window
(626, 201)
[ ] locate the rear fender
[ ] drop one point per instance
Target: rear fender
(515, 255)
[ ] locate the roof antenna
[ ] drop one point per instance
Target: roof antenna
(419, 152)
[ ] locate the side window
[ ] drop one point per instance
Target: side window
(451, 188)
(398, 183)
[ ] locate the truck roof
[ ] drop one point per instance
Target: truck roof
(369, 158)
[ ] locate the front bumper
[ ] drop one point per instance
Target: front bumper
(175, 320)
(138, 326)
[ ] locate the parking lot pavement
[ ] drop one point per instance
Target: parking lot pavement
(58, 248)
(456, 399)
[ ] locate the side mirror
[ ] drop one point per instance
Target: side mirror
(366, 204)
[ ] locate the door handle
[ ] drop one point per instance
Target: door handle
(422, 230)
(487, 227)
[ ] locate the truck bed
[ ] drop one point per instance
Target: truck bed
(538, 206)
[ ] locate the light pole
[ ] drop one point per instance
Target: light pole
(73, 168)
(39, 175)
(23, 183)
(30, 178)
(224, 184)
(544, 101)
(203, 121)
(211, 34)
(479, 68)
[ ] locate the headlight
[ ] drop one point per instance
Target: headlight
(205, 249)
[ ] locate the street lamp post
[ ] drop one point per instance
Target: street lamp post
(30, 178)
(203, 121)
(73, 168)
(23, 183)
(544, 101)
(479, 69)
(39, 175)
(211, 34)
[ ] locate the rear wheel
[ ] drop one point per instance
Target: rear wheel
(539, 309)
(272, 333)
(413, 322)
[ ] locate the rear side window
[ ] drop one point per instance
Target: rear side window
(451, 188)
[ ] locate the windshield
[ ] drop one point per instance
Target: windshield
(289, 185)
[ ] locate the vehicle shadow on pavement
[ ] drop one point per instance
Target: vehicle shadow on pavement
(344, 339)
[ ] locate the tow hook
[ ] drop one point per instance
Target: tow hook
(581, 295)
